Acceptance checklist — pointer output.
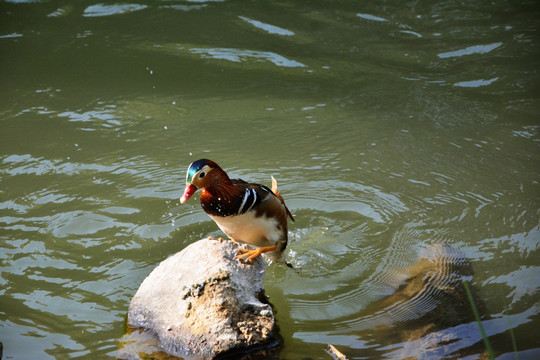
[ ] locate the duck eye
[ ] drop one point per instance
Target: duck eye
(201, 175)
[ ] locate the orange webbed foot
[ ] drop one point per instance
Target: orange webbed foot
(249, 255)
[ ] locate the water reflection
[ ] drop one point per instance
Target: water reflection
(108, 10)
(271, 29)
(476, 49)
(371, 17)
(237, 55)
(476, 83)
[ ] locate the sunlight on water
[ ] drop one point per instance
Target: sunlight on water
(237, 55)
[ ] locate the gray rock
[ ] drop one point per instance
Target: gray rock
(202, 303)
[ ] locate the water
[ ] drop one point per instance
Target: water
(390, 127)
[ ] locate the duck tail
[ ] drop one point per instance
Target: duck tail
(276, 192)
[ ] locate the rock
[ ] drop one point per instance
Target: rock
(202, 303)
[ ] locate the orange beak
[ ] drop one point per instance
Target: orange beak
(188, 192)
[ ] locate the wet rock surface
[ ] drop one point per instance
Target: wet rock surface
(202, 303)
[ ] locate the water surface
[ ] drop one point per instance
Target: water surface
(389, 126)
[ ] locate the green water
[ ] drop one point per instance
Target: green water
(390, 126)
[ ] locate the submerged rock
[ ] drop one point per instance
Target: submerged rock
(429, 316)
(202, 303)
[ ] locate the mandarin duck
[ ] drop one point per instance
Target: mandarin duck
(250, 213)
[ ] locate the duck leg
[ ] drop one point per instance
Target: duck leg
(252, 254)
(220, 239)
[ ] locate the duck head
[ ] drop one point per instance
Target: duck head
(199, 176)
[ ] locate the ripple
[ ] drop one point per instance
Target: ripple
(371, 17)
(271, 29)
(352, 253)
(12, 35)
(12, 205)
(524, 244)
(368, 201)
(477, 49)
(105, 117)
(43, 341)
(525, 281)
(476, 83)
(99, 10)
(449, 341)
(72, 223)
(47, 302)
(239, 55)
(438, 269)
